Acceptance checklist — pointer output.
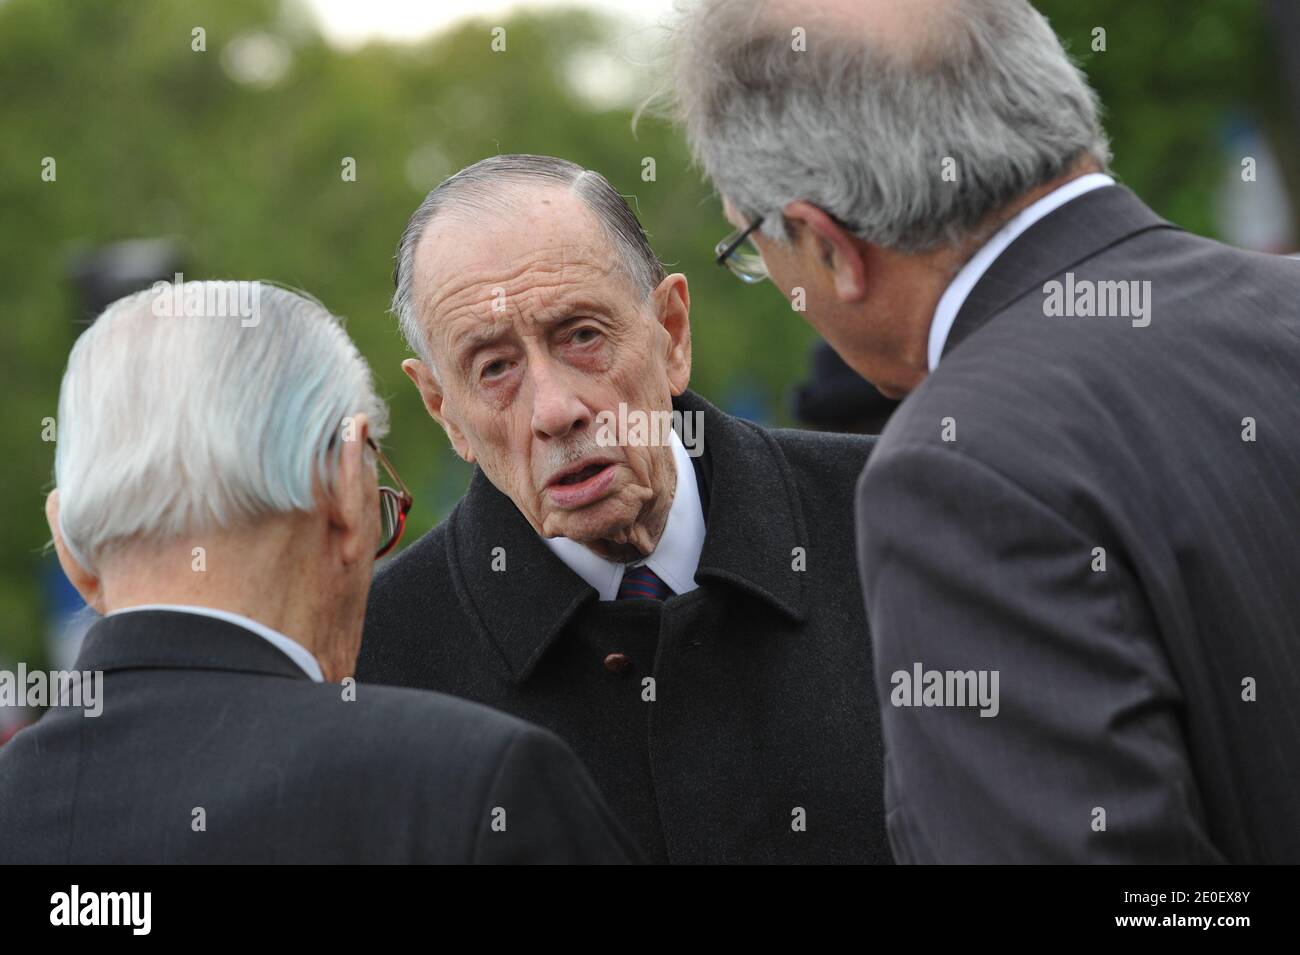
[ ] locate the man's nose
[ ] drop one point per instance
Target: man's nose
(557, 409)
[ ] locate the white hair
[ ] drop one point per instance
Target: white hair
(174, 422)
(863, 131)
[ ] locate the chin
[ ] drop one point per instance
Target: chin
(605, 520)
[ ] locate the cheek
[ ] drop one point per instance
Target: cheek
(811, 296)
(790, 278)
(640, 461)
(500, 442)
(639, 375)
(791, 269)
(651, 467)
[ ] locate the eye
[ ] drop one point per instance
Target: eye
(585, 335)
(495, 369)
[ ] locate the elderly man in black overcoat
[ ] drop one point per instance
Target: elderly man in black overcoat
(670, 589)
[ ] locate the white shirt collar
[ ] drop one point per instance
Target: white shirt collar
(291, 648)
(960, 287)
(675, 558)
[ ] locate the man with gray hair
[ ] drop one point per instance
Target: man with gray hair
(670, 589)
(1081, 493)
(217, 502)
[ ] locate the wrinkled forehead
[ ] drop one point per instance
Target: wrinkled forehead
(522, 251)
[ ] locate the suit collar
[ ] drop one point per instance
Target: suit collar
(753, 521)
(1067, 236)
(167, 639)
(291, 648)
(954, 296)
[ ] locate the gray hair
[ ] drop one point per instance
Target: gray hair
(175, 420)
(478, 188)
(862, 131)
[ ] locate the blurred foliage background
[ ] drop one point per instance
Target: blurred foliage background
(236, 153)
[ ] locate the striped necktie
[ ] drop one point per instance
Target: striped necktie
(644, 584)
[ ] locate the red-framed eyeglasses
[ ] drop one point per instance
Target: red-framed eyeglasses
(394, 504)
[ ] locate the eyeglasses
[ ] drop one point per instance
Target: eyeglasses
(394, 505)
(739, 253)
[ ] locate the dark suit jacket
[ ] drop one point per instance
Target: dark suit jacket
(200, 713)
(762, 740)
(1126, 689)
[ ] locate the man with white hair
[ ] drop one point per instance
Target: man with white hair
(217, 502)
(1087, 502)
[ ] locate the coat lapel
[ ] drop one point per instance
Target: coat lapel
(1059, 241)
(753, 518)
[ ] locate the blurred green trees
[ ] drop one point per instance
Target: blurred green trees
(1173, 75)
(238, 150)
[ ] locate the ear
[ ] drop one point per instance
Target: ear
(87, 584)
(432, 395)
(672, 304)
(839, 250)
(353, 507)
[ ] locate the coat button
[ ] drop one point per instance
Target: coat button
(617, 662)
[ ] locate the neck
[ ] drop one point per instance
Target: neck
(266, 584)
(918, 281)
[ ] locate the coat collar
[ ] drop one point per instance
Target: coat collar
(1060, 240)
(753, 521)
(168, 639)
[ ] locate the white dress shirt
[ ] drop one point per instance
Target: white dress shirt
(291, 648)
(960, 287)
(675, 558)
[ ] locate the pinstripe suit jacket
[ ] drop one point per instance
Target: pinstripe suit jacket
(1107, 513)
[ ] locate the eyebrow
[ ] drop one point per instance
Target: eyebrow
(466, 345)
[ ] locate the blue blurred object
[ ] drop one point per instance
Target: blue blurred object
(747, 400)
(67, 618)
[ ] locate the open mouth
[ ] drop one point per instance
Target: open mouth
(577, 477)
(582, 484)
